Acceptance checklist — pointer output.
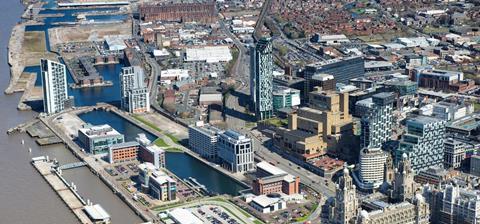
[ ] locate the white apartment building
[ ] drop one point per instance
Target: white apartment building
(203, 139)
(236, 152)
(54, 82)
(134, 92)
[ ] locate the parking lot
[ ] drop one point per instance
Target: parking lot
(214, 214)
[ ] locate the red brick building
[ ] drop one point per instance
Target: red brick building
(202, 12)
(271, 179)
(122, 152)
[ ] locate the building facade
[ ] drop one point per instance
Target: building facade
(423, 142)
(378, 121)
(342, 69)
(271, 179)
(453, 154)
(416, 212)
(236, 152)
(403, 184)
(371, 166)
(149, 152)
(285, 98)
(201, 11)
(203, 139)
(127, 151)
(345, 206)
(326, 123)
(453, 204)
(98, 139)
(261, 78)
(134, 93)
(54, 82)
(156, 183)
(428, 77)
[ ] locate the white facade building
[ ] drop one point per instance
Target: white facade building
(265, 204)
(211, 54)
(54, 82)
(236, 152)
(453, 154)
(134, 93)
(370, 171)
(203, 139)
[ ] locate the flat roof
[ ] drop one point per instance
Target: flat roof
(124, 145)
(96, 212)
(264, 201)
(99, 130)
(183, 216)
(273, 170)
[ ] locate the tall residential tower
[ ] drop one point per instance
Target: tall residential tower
(377, 122)
(134, 93)
(261, 78)
(54, 82)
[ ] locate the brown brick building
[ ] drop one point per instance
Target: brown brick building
(123, 152)
(202, 12)
(271, 179)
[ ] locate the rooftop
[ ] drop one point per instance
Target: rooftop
(273, 170)
(96, 212)
(183, 216)
(98, 130)
(264, 201)
(124, 145)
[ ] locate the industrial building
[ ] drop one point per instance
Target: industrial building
(235, 152)
(54, 82)
(179, 11)
(210, 54)
(98, 139)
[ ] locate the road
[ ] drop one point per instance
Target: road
(241, 73)
(258, 26)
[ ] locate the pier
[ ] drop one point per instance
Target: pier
(96, 168)
(66, 192)
(72, 165)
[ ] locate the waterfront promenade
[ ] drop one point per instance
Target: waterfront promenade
(66, 192)
(141, 211)
(239, 178)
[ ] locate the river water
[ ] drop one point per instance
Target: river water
(24, 196)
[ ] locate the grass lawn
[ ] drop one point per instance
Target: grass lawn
(174, 150)
(160, 143)
(277, 122)
(149, 124)
(476, 107)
